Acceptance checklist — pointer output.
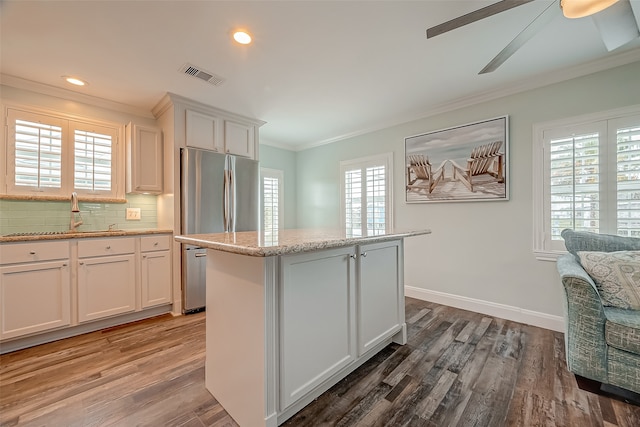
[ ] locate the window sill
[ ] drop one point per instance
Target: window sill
(50, 198)
(542, 255)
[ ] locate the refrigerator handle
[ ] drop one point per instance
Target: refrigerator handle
(232, 201)
(227, 189)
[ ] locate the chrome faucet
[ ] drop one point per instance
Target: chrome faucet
(74, 208)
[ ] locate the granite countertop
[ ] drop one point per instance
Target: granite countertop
(26, 237)
(255, 243)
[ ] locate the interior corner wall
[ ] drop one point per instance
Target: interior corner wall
(478, 251)
(284, 160)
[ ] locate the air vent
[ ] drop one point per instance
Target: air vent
(201, 74)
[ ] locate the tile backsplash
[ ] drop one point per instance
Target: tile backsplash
(19, 216)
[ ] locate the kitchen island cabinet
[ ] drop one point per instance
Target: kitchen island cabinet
(291, 315)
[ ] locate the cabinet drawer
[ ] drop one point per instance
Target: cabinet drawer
(155, 243)
(100, 247)
(33, 251)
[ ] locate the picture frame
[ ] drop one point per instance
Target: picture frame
(459, 164)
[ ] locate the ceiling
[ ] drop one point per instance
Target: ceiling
(317, 71)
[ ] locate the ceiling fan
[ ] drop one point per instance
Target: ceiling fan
(614, 19)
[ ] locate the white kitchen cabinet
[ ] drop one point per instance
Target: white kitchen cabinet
(155, 270)
(239, 138)
(145, 164)
(35, 288)
(220, 134)
(106, 278)
(380, 296)
(317, 320)
(203, 131)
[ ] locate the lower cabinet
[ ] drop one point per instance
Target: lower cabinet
(35, 288)
(155, 275)
(335, 306)
(380, 293)
(34, 298)
(106, 286)
(317, 319)
(47, 286)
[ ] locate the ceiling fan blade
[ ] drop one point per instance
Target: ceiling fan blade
(617, 24)
(530, 30)
(474, 16)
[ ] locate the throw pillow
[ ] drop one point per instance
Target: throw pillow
(616, 275)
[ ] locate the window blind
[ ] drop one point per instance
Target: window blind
(376, 200)
(92, 161)
(353, 202)
(575, 183)
(270, 189)
(628, 181)
(38, 154)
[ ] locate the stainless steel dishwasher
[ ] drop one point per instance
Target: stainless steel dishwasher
(194, 261)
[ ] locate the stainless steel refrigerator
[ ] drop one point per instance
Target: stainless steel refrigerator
(219, 193)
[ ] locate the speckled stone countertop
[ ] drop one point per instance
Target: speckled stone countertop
(79, 235)
(254, 243)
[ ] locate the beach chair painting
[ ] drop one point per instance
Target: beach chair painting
(421, 176)
(462, 163)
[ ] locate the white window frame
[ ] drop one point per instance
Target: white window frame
(544, 248)
(363, 163)
(68, 123)
(279, 176)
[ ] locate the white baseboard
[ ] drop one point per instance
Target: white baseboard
(516, 314)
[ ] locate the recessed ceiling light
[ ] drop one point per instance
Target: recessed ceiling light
(242, 37)
(74, 81)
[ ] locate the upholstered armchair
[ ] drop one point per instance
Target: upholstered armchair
(601, 280)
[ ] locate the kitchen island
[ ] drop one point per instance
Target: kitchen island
(290, 315)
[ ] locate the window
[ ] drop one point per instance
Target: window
(590, 177)
(52, 155)
(272, 194)
(366, 195)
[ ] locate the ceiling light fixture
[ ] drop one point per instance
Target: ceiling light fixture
(582, 8)
(242, 37)
(74, 81)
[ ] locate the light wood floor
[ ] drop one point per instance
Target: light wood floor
(458, 369)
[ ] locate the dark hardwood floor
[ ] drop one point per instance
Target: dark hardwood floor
(458, 369)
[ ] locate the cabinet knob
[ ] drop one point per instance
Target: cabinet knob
(155, 244)
(363, 254)
(81, 263)
(108, 247)
(32, 252)
(64, 265)
(144, 256)
(353, 256)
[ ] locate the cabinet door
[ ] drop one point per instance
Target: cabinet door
(380, 293)
(156, 278)
(106, 286)
(144, 160)
(34, 297)
(202, 131)
(239, 139)
(316, 321)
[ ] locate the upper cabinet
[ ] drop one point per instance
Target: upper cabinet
(221, 134)
(203, 131)
(239, 138)
(144, 159)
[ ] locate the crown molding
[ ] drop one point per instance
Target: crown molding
(546, 79)
(279, 145)
(66, 94)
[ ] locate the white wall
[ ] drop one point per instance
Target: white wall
(479, 255)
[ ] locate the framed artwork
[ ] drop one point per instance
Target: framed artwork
(459, 164)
